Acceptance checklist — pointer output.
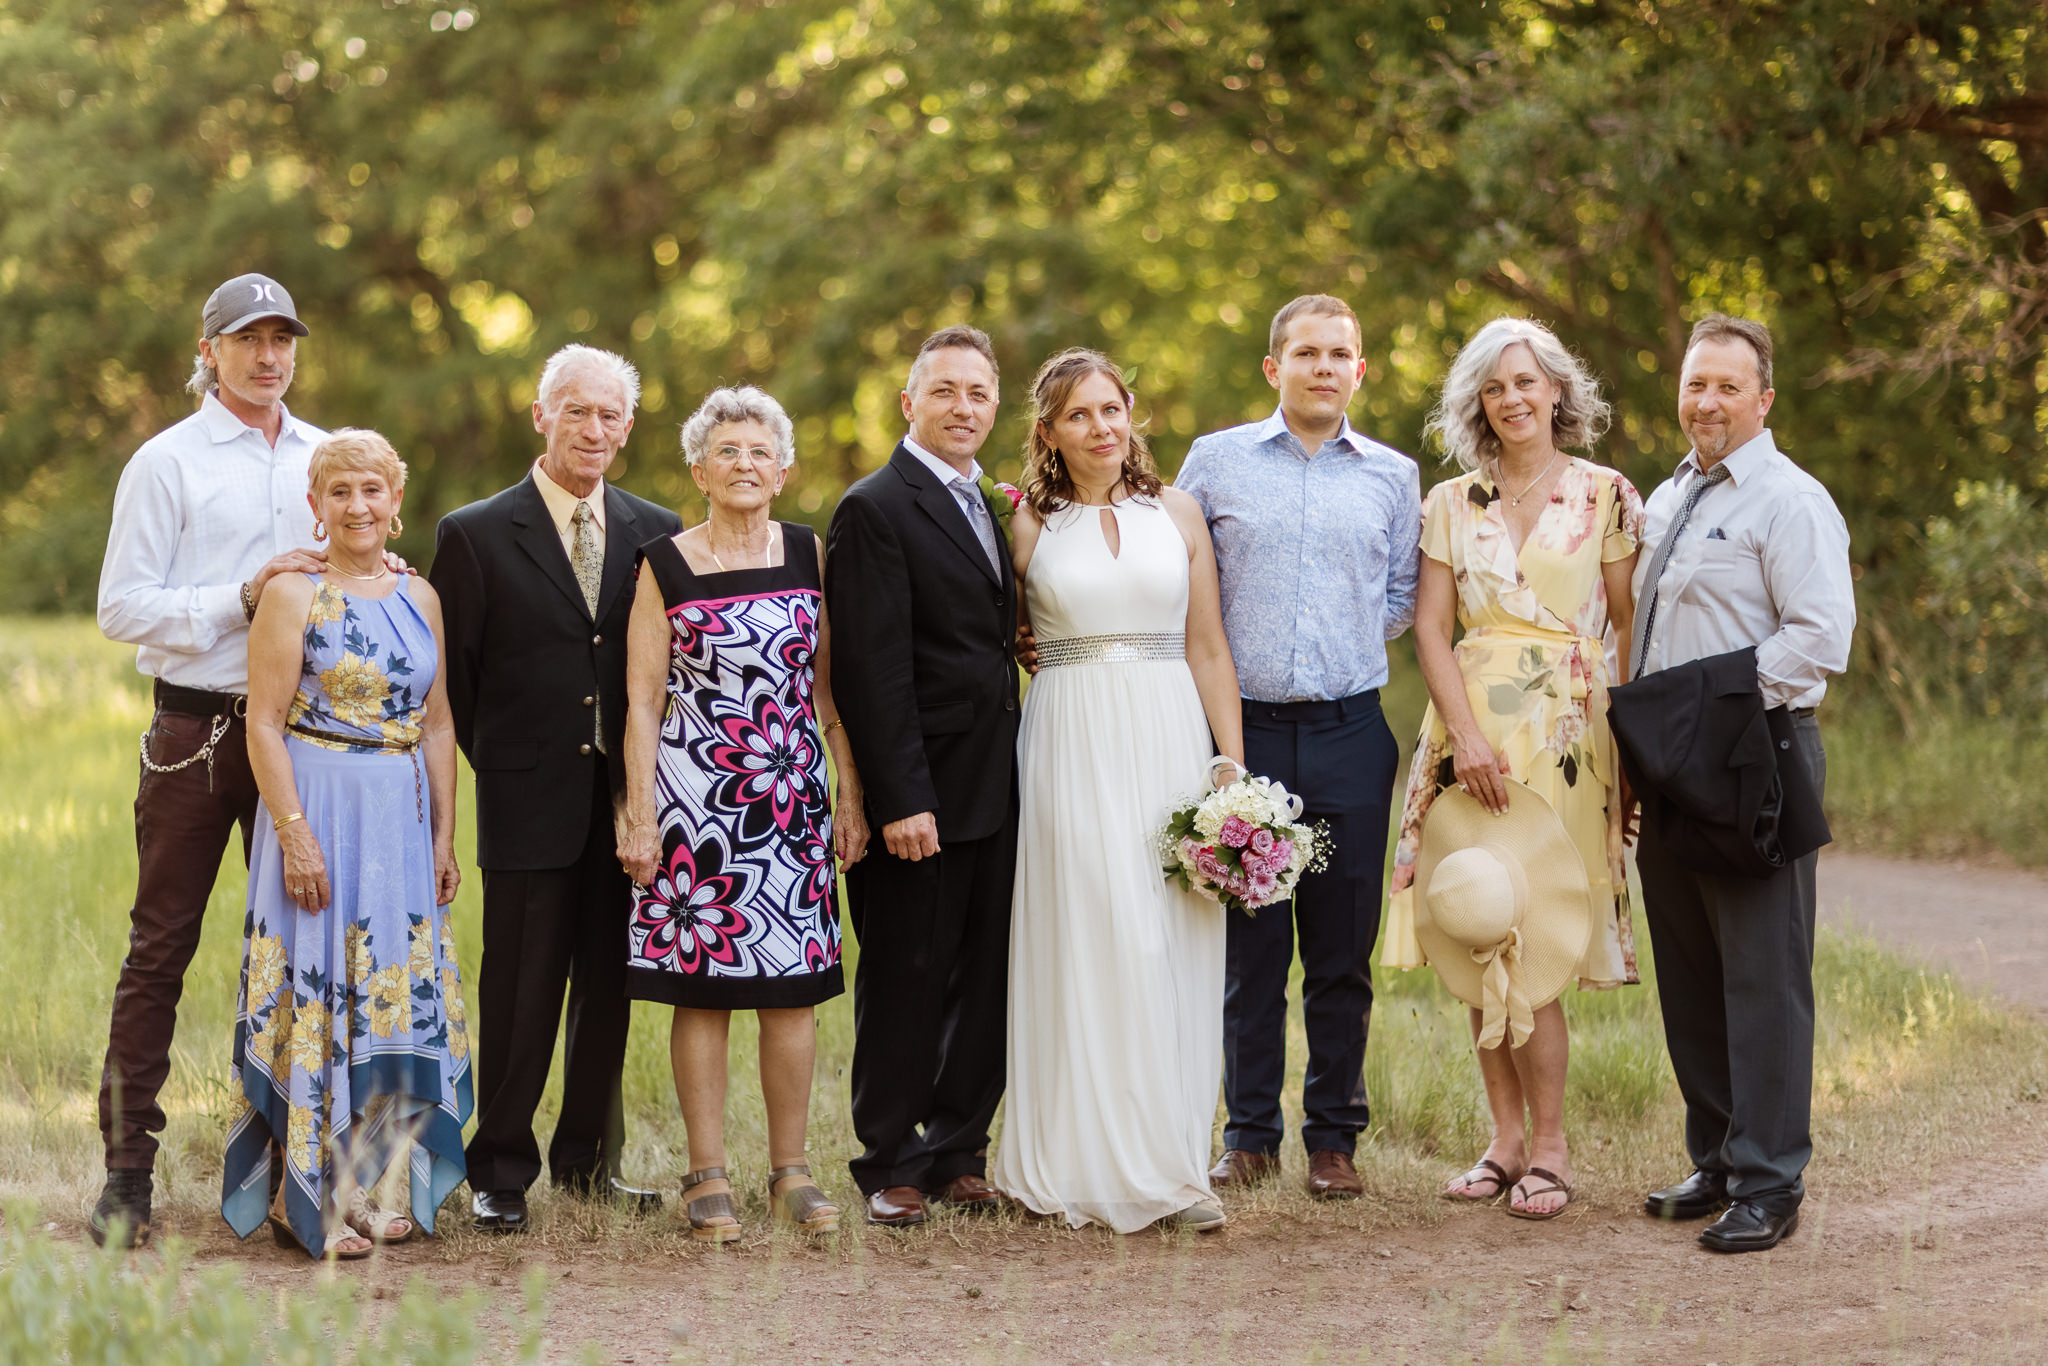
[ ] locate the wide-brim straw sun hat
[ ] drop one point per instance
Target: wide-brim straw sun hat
(1502, 907)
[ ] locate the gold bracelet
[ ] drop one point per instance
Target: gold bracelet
(282, 821)
(835, 721)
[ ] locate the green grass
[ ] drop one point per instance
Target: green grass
(1961, 786)
(1910, 1069)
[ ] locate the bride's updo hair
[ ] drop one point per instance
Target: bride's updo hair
(1048, 486)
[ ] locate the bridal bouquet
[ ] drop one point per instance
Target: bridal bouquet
(1243, 846)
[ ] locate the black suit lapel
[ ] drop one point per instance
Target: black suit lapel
(939, 504)
(535, 533)
(622, 537)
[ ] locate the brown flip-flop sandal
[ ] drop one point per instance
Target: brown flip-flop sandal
(1555, 1185)
(1494, 1172)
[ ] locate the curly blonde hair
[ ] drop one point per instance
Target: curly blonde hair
(1459, 419)
(357, 449)
(1048, 486)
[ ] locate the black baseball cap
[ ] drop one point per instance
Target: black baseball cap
(242, 301)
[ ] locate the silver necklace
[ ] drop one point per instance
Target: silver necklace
(1515, 500)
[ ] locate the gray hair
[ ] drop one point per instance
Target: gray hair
(1459, 418)
(742, 404)
(576, 359)
(205, 378)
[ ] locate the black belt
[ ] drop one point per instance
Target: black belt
(1316, 709)
(193, 702)
(1799, 713)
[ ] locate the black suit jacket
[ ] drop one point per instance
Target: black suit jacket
(922, 664)
(524, 657)
(1722, 779)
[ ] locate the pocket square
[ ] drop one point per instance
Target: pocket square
(1717, 535)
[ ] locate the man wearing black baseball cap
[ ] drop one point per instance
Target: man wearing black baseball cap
(206, 513)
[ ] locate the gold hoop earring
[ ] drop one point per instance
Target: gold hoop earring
(397, 528)
(319, 530)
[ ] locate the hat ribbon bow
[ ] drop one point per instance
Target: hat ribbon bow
(1503, 1005)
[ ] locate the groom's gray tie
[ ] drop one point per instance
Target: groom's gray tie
(968, 496)
(1646, 610)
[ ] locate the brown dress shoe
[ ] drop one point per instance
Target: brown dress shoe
(897, 1206)
(1239, 1168)
(1332, 1177)
(972, 1194)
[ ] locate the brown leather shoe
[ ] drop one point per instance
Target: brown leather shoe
(897, 1206)
(1331, 1176)
(971, 1194)
(1239, 1168)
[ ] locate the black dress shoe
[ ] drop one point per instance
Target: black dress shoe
(631, 1199)
(499, 1211)
(1749, 1227)
(1693, 1198)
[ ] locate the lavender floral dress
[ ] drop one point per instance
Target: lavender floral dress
(742, 912)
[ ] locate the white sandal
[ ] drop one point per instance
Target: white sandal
(373, 1222)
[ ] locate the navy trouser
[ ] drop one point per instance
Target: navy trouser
(1340, 758)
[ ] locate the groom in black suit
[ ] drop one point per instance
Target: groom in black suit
(924, 610)
(537, 584)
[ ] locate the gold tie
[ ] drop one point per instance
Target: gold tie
(586, 557)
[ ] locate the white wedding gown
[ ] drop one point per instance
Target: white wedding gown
(1116, 978)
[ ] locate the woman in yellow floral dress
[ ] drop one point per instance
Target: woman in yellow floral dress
(1531, 552)
(350, 1037)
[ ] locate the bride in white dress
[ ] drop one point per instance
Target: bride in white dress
(1116, 978)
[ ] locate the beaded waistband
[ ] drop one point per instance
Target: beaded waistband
(1134, 648)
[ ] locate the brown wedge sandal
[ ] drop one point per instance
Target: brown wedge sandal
(1555, 1185)
(803, 1206)
(1485, 1169)
(705, 1208)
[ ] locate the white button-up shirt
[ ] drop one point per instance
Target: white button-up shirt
(1763, 561)
(199, 509)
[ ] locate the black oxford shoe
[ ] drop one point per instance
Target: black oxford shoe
(499, 1211)
(1748, 1227)
(1693, 1198)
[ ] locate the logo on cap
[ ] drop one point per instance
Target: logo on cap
(245, 299)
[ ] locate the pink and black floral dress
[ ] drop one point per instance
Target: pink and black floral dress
(742, 913)
(1534, 660)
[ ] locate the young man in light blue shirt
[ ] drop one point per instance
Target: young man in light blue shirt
(1316, 529)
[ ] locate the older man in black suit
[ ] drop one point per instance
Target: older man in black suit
(537, 585)
(923, 603)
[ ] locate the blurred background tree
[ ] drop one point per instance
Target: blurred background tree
(793, 192)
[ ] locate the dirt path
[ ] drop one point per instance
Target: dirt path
(1987, 925)
(1955, 1270)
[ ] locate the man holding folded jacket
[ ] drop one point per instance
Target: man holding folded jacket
(1744, 607)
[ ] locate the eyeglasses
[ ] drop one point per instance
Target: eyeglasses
(733, 455)
(576, 415)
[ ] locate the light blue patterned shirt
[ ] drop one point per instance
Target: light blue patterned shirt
(1316, 553)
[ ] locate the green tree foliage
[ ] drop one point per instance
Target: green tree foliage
(793, 193)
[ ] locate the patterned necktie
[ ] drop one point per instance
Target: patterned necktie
(969, 498)
(586, 557)
(1646, 609)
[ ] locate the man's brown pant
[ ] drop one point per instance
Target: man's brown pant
(182, 823)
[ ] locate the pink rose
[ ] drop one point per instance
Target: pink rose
(1011, 492)
(1211, 867)
(1237, 832)
(1262, 842)
(1283, 852)
(1190, 849)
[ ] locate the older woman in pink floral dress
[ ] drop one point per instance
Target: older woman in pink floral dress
(1531, 552)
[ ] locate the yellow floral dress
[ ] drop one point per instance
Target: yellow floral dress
(1536, 670)
(351, 1032)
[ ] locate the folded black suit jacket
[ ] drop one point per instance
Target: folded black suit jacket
(1723, 779)
(922, 664)
(524, 655)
